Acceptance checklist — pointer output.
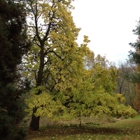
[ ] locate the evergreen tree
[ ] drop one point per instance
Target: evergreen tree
(13, 44)
(135, 55)
(135, 58)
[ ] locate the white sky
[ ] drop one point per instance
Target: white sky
(109, 25)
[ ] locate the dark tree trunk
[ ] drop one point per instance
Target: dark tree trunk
(80, 124)
(34, 125)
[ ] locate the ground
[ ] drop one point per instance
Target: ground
(124, 129)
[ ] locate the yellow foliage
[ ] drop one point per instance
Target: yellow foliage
(120, 98)
(44, 102)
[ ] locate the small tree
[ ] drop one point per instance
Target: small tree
(94, 94)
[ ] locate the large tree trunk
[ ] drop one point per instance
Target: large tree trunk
(34, 125)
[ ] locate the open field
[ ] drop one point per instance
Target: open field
(128, 129)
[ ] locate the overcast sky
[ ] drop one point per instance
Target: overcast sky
(109, 25)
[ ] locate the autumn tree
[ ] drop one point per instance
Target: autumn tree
(13, 44)
(94, 95)
(73, 91)
(105, 100)
(55, 59)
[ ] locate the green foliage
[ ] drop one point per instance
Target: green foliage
(104, 74)
(12, 112)
(13, 44)
(135, 58)
(121, 110)
(134, 55)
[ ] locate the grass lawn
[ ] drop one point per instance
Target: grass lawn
(128, 129)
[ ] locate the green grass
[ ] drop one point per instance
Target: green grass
(128, 129)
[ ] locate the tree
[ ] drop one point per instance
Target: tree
(125, 84)
(104, 74)
(135, 58)
(135, 55)
(135, 79)
(94, 94)
(13, 44)
(105, 100)
(55, 59)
